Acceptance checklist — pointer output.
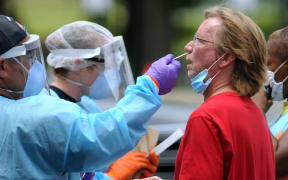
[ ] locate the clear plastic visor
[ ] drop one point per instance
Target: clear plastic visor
(117, 71)
(27, 54)
(112, 56)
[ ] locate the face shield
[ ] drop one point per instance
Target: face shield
(116, 76)
(117, 71)
(29, 56)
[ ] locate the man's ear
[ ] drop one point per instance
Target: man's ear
(228, 59)
(3, 68)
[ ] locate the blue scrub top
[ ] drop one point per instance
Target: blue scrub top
(43, 136)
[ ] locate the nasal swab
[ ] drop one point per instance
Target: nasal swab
(180, 56)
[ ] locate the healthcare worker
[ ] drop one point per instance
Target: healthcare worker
(42, 136)
(84, 57)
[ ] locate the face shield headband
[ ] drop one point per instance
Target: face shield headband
(63, 58)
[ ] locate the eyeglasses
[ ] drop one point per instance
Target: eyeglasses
(95, 59)
(197, 39)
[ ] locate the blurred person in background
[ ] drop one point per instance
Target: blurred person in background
(82, 54)
(227, 136)
(277, 90)
(43, 136)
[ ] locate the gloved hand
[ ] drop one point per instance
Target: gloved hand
(165, 72)
(152, 167)
(125, 167)
(87, 176)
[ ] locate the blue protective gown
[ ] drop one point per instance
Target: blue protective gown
(88, 105)
(42, 136)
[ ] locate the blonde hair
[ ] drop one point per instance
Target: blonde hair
(279, 44)
(242, 37)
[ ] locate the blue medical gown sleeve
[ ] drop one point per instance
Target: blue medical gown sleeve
(118, 130)
(42, 136)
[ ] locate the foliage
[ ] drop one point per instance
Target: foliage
(43, 17)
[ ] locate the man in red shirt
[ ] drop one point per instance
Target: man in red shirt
(227, 136)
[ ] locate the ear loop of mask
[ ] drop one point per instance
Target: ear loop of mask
(12, 91)
(284, 80)
(18, 62)
(216, 61)
(214, 64)
(74, 82)
(24, 67)
(279, 67)
(216, 74)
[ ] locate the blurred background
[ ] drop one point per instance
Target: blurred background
(151, 28)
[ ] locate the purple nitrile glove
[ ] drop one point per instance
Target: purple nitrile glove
(87, 176)
(165, 72)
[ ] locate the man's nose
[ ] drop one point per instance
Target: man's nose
(189, 47)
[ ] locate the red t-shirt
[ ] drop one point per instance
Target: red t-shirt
(226, 138)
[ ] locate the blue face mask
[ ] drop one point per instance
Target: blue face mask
(100, 88)
(197, 82)
(36, 79)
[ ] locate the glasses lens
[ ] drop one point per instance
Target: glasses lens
(197, 39)
(96, 60)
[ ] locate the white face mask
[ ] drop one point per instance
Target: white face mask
(276, 88)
